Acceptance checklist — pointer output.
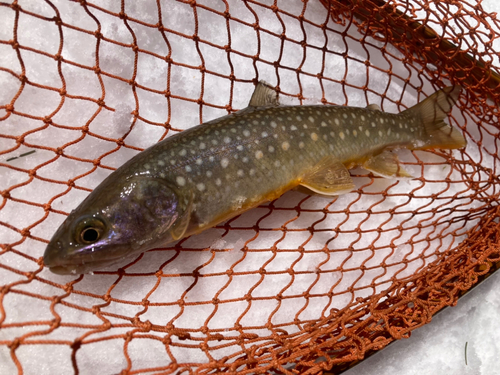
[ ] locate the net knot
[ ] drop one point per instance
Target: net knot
(76, 344)
(58, 57)
(14, 44)
(59, 151)
(14, 344)
(47, 120)
(32, 172)
(22, 77)
(9, 108)
(122, 15)
(97, 70)
(96, 162)
(6, 194)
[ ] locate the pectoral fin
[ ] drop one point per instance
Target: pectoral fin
(264, 95)
(329, 177)
(386, 164)
(179, 228)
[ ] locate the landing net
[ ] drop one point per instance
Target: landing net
(303, 284)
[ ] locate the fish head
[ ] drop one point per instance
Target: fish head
(114, 222)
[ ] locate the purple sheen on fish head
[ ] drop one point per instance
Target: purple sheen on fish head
(114, 222)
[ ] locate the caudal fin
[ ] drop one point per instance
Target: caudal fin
(431, 112)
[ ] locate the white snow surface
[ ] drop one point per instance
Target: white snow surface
(437, 347)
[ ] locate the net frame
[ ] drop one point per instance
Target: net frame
(408, 303)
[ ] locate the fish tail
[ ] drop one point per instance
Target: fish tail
(431, 112)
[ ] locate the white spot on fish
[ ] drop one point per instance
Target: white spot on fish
(161, 163)
(244, 160)
(200, 186)
(271, 149)
(293, 127)
(211, 158)
(246, 133)
(362, 118)
(202, 146)
(373, 124)
(188, 168)
(255, 122)
(301, 145)
(277, 163)
(388, 131)
(264, 134)
(183, 152)
(218, 182)
(380, 133)
(251, 172)
(337, 122)
(314, 137)
(209, 173)
(224, 162)
(199, 161)
(344, 115)
(181, 181)
(355, 133)
(227, 140)
(285, 145)
(311, 119)
(367, 132)
(259, 154)
(323, 124)
(332, 134)
(240, 172)
(273, 124)
(342, 135)
(299, 118)
(381, 120)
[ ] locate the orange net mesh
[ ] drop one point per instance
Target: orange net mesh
(300, 285)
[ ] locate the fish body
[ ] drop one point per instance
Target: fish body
(212, 172)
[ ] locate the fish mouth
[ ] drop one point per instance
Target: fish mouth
(79, 268)
(62, 264)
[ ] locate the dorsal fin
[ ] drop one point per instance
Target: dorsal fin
(264, 95)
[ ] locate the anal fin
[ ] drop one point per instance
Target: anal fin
(329, 177)
(386, 164)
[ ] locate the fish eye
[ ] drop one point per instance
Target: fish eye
(89, 230)
(89, 235)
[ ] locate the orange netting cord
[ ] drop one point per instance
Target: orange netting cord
(239, 309)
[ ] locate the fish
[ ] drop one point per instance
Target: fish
(212, 172)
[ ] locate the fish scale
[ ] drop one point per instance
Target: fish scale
(210, 173)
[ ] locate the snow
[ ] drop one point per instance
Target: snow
(228, 265)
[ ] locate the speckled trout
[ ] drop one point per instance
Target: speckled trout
(215, 171)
